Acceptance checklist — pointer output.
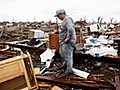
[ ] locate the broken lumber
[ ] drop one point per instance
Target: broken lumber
(70, 82)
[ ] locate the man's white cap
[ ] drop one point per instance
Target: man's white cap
(59, 11)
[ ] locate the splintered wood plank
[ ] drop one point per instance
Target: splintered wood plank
(71, 82)
(43, 84)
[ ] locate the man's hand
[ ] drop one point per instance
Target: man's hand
(66, 40)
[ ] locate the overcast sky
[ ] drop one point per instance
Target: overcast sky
(37, 10)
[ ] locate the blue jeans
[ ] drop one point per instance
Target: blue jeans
(66, 52)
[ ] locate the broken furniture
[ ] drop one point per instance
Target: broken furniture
(17, 72)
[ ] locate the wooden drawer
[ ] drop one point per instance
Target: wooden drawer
(10, 70)
(54, 41)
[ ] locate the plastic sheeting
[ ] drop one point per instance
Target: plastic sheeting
(102, 51)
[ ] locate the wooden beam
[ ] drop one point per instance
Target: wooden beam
(70, 82)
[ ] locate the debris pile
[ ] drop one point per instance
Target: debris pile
(96, 58)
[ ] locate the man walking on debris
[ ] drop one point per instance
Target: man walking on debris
(67, 40)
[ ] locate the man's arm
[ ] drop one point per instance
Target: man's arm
(70, 28)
